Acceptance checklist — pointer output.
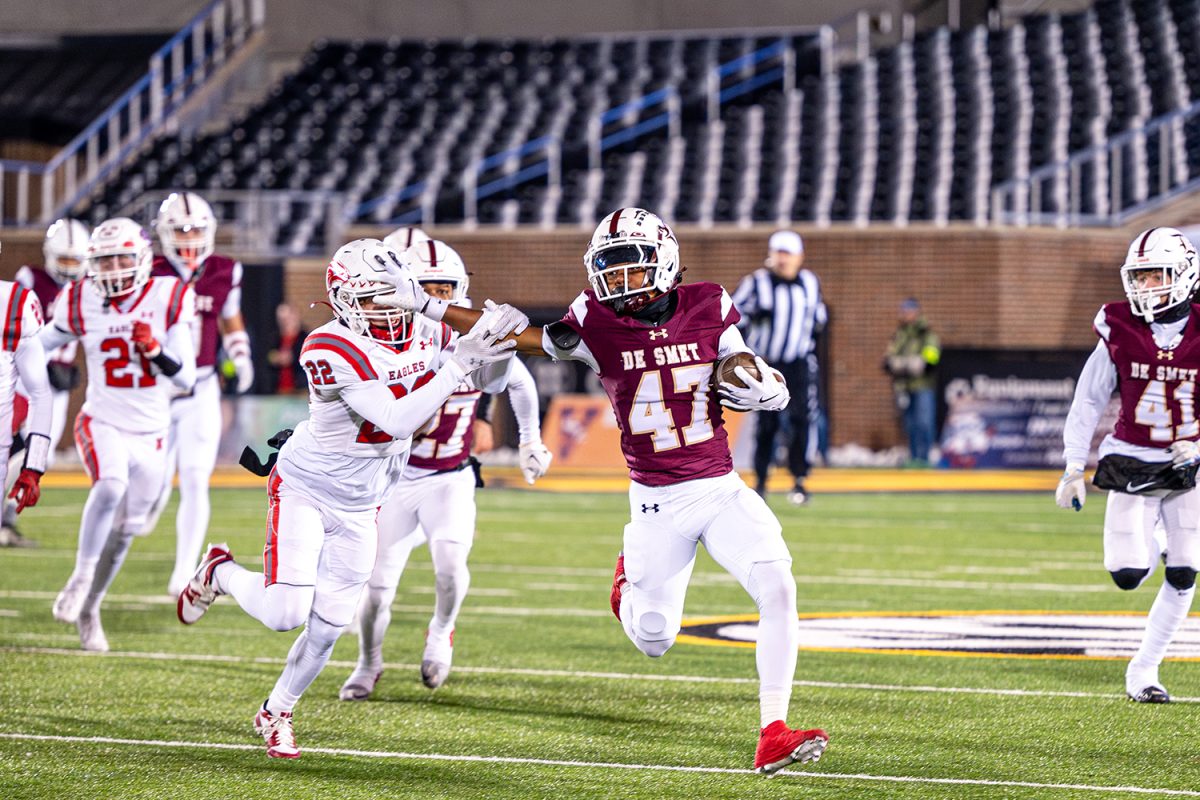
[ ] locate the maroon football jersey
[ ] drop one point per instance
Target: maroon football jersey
(211, 284)
(657, 380)
(1157, 386)
(44, 286)
(445, 442)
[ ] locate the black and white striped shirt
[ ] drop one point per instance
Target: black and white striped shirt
(781, 318)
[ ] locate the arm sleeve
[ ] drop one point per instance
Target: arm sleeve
(1092, 395)
(30, 358)
(522, 394)
(180, 349)
(233, 300)
(402, 417)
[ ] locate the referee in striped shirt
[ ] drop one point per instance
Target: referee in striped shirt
(782, 315)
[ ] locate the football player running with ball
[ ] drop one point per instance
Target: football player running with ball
(1149, 351)
(653, 340)
(436, 503)
(135, 332)
(376, 375)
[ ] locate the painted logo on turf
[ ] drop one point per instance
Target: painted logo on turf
(989, 634)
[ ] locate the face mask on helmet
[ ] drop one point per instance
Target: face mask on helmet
(633, 259)
(119, 258)
(187, 229)
(352, 281)
(66, 249)
(1160, 274)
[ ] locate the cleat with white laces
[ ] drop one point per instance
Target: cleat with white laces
(277, 732)
(779, 746)
(69, 602)
(200, 591)
(435, 661)
(360, 684)
(91, 633)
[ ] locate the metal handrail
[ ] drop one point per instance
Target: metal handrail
(598, 141)
(216, 33)
(1019, 201)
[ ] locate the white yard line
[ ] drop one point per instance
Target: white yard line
(615, 676)
(549, 762)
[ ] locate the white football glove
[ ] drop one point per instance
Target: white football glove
(409, 294)
(479, 347)
(534, 458)
(767, 393)
(506, 319)
(244, 369)
(1184, 454)
(1071, 491)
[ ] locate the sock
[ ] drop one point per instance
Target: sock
(1169, 611)
(452, 579)
(374, 616)
(774, 591)
(107, 567)
(96, 523)
(305, 661)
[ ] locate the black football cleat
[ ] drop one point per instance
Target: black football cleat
(1150, 694)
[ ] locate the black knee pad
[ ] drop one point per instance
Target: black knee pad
(1129, 578)
(1182, 578)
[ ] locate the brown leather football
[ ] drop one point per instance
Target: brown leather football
(723, 369)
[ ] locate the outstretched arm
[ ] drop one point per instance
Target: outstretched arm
(529, 341)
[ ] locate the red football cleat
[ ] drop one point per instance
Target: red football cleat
(276, 730)
(779, 745)
(619, 582)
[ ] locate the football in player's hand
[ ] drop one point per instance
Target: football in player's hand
(723, 369)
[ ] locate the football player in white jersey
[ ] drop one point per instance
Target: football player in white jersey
(376, 375)
(64, 250)
(23, 359)
(136, 335)
(187, 231)
(436, 503)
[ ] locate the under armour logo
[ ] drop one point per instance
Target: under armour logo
(662, 334)
(647, 508)
(424, 344)
(1166, 354)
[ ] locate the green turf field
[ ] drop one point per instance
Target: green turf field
(549, 699)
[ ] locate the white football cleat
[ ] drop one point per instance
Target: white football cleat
(435, 661)
(69, 602)
(277, 732)
(200, 592)
(91, 633)
(360, 684)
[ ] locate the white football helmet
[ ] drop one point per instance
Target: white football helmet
(434, 261)
(627, 240)
(187, 229)
(66, 241)
(356, 274)
(1161, 272)
(403, 238)
(119, 257)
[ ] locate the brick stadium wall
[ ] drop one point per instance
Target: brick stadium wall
(980, 288)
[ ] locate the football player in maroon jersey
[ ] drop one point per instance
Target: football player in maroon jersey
(653, 341)
(187, 231)
(1149, 352)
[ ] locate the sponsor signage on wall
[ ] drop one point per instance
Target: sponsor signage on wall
(1008, 408)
